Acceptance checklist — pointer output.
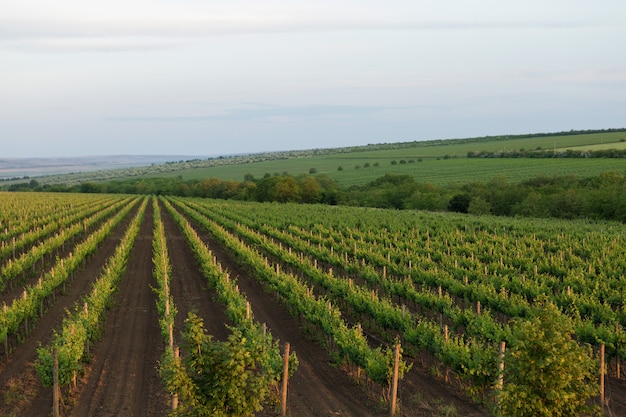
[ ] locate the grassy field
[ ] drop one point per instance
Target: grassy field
(442, 171)
(439, 164)
(601, 146)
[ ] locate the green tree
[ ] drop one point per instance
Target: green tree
(479, 206)
(286, 189)
(311, 190)
(331, 190)
(460, 203)
(547, 373)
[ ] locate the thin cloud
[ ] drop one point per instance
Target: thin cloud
(202, 26)
(90, 29)
(27, 19)
(269, 114)
(92, 44)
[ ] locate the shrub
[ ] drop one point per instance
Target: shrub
(460, 203)
(547, 373)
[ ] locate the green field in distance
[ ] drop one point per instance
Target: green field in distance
(440, 162)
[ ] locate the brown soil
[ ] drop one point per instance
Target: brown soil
(189, 287)
(123, 379)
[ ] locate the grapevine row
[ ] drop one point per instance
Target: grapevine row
(162, 273)
(238, 310)
(237, 307)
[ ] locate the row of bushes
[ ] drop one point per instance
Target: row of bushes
(547, 153)
(599, 197)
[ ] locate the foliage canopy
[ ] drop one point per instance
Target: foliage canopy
(218, 378)
(547, 373)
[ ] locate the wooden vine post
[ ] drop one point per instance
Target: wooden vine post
(446, 338)
(602, 375)
(394, 382)
(175, 396)
(86, 312)
(500, 384)
(167, 307)
(55, 384)
(285, 381)
(6, 338)
(74, 374)
(618, 363)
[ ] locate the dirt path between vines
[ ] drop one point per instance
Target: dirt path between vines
(189, 288)
(123, 380)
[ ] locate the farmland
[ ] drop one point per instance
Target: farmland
(100, 278)
(440, 162)
(452, 171)
(437, 162)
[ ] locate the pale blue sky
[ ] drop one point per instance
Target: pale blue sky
(199, 77)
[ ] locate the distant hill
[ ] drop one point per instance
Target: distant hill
(36, 167)
(440, 161)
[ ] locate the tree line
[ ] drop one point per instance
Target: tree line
(547, 153)
(599, 197)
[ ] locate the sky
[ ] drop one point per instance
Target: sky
(207, 78)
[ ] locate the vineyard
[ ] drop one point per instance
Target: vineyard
(128, 295)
